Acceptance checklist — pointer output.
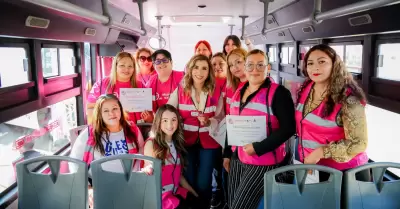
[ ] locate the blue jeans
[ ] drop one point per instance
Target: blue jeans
(200, 166)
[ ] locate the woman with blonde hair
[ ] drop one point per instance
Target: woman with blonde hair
(122, 75)
(145, 66)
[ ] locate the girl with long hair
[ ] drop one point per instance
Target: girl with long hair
(330, 114)
(167, 144)
(231, 42)
(122, 75)
(145, 66)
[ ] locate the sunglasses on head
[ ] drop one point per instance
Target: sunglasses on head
(159, 61)
(144, 58)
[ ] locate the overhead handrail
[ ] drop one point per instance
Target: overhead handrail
(231, 28)
(334, 13)
(266, 4)
(69, 8)
(243, 24)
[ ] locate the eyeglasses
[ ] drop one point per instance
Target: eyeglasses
(159, 61)
(259, 67)
(144, 58)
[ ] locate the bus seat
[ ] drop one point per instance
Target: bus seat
(66, 191)
(300, 195)
(377, 194)
(129, 189)
(74, 133)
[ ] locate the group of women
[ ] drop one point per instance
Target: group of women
(328, 117)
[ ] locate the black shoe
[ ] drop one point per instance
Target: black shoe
(216, 199)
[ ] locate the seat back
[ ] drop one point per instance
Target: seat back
(129, 189)
(54, 190)
(301, 195)
(377, 194)
(74, 133)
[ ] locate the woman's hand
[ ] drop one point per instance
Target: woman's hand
(90, 194)
(226, 164)
(249, 149)
(315, 156)
(194, 193)
(204, 120)
(148, 170)
(147, 116)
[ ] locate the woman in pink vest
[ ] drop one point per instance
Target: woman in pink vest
(122, 75)
(145, 65)
(201, 106)
(167, 144)
(165, 81)
(110, 134)
(330, 114)
(220, 68)
(259, 97)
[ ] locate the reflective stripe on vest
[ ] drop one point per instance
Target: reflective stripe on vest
(316, 119)
(254, 106)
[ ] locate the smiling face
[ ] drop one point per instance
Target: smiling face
(111, 113)
(203, 50)
(236, 65)
(162, 65)
(144, 60)
(219, 67)
(230, 45)
(319, 66)
(125, 69)
(169, 123)
(200, 72)
(256, 68)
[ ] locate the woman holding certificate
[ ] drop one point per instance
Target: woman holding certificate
(330, 115)
(261, 120)
(200, 104)
(122, 76)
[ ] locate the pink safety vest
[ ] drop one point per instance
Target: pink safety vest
(162, 91)
(228, 95)
(257, 106)
(171, 173)
(315, 131)
(191, 125)
(132, 149)
(101, 87)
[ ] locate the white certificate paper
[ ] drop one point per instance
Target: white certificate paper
(244, 130)
(220, 133)
(136, 99)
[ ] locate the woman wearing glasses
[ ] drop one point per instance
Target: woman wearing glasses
(259, 97)
(145, 65)
(166, 80)
(122, 75)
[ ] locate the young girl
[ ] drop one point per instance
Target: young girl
(201, 106)
(145, 65)
(122, 75)
(167, 144)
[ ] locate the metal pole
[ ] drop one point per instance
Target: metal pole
(342, 11)
(243, 24)
(93, 17)
(140, 5)
(159, 17)
(231, 26)
(266, 3)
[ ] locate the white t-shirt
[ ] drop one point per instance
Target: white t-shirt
(115, 145)
(172, 149)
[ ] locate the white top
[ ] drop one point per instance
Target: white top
(219, 112)
(172, 150)
(115, 145)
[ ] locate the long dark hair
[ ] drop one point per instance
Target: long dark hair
(339, 81)
(160, 146)
(236, 42)
(100, 127)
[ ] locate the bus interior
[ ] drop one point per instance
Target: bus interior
(53, 51)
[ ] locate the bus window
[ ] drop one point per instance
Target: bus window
(389, 61)
(272, 54)
(287, 57)
(339, 50)
(58, 62)
(353, 59)
(383, 136)
(14, 66)
(42, 132)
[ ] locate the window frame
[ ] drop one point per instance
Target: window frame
(290, 44)
(18, 44)
(59, 46)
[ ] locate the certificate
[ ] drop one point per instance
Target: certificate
(136, 99)
(311, 178)
(220, 133)
(244, 130)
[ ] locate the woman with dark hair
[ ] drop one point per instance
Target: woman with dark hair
(167, 144)
(330, 114)
(231, 42)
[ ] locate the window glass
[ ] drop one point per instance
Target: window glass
(14, 66)
(353, 59)
(42, 132)
(339, 50)
(272, 54)
(389, 61)
(274, 76)
(383, 136)
(292, 57)
(285, 55)
(49, 62)
(67, 59)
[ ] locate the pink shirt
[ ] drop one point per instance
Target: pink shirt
(100, 88)
(144, 79)
(162, 91)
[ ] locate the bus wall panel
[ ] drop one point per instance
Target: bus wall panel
(9, 99)
(61, 85)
